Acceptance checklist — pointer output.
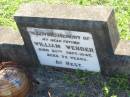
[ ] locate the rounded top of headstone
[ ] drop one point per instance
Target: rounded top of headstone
(97, 13)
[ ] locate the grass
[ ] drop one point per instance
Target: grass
(111, 86)
(122, 10)
(8, 8)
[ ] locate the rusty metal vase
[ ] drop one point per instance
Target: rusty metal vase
(13, 82)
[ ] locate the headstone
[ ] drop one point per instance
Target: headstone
(12, 48)
(68, 36)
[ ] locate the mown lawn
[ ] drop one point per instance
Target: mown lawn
(122, 10)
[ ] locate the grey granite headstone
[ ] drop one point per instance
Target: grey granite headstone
(68, 36)
(12, 49)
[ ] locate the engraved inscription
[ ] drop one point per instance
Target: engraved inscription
(64, 48)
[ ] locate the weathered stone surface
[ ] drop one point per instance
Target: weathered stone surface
(12, 47)
(53, 82)
(123, 48)
(99, 21)
(120, 61)
(52, 79)
(96, 13)
(9, 36)
(123, 94)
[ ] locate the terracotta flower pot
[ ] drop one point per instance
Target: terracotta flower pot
(13, 82)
